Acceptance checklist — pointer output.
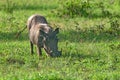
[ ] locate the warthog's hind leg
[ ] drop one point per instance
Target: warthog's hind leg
(39, 51)
(31, 45)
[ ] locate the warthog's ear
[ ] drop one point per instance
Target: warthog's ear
(56, 31)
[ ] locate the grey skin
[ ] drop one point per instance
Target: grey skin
(43, 36)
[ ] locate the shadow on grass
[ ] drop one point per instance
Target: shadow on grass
(87, 36)
(11, 36)
(70, 35)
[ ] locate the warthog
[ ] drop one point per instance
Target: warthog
(43, 36)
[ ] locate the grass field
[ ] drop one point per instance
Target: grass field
(88, 52)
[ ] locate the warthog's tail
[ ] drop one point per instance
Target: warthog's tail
(18, 34)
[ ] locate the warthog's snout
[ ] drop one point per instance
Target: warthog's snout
(56, 54)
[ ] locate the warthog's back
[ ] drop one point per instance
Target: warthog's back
(36, 23)
(36, 19)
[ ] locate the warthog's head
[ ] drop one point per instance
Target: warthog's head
(50, 42)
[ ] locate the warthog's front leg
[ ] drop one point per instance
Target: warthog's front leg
(48, 54)
(31, 46)
(39, 51)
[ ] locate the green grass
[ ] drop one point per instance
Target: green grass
(87, 53)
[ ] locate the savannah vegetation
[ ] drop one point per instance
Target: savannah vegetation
(89, 37)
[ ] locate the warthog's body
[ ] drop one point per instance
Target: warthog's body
(42, 35)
